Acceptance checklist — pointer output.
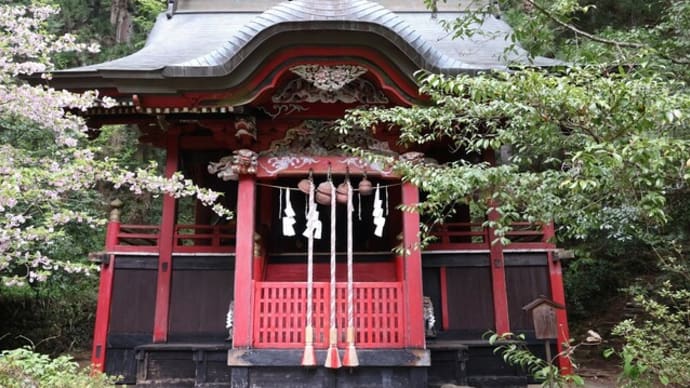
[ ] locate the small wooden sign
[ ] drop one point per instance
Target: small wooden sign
(544, 317)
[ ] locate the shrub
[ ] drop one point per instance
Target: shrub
(56, 317)
(656, 342)
(24, 368)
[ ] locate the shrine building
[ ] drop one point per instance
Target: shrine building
(304, 287)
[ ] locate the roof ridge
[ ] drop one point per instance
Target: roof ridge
(347, 12)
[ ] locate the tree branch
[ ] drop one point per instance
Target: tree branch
(583, 33)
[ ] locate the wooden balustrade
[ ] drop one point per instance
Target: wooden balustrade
(203, 238)
(187, 238)
(280, 314)
(221, 238)
(469, 236)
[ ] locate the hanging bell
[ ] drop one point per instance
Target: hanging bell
(304, 186)
(323, 193)
(365, 187)
(341, 193)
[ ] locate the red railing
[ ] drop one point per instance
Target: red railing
(466, 235)
(186, 238)
(203, 238)
(280, 314)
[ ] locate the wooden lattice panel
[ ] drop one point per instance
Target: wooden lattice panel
(280, 314)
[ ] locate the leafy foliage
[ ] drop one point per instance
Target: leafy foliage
(600, 145)
(592, 151)
(56, 316)
(656, 347)
(24, 368)
(49, 170)
(514, 351)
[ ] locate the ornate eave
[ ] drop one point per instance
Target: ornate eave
(219, 49)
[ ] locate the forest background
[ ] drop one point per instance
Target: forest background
(608, 162)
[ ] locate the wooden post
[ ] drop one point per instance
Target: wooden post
(246, 196)
(105, 289)
(165, 244)
(445, 312)
(497, 263)
(558, 296)
(498, 279)
(412, 284)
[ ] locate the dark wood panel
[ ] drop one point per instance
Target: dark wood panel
(122, 362)
(524, 284)
(204, 262)
(136, 262)
(199, 301)
(293, 357)
(128, 340)
(470, 302)
(455, 259)
(321, 377)
(134, 294)
(525, 259)
(181, 262)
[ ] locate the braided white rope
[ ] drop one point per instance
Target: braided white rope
(350, 291)
(308, 357)
(333, 263)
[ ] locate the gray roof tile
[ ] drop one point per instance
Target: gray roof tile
(207, 39)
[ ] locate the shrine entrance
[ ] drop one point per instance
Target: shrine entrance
(282, 273)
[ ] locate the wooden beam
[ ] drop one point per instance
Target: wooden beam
(244, 252)
(412, 284)
(445, 318)
(498, 279)
(165, 244)
(558, 296)
(105, 291)
(100, 332)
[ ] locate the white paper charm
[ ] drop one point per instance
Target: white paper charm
(289, 218)
(313, 223)
(379, 219)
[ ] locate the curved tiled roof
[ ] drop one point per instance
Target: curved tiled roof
(345, 15)
(195, 44)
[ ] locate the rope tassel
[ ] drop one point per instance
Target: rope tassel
(308, 358)
(350, 358)
(332, 356)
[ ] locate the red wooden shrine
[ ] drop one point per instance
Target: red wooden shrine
(243, 99)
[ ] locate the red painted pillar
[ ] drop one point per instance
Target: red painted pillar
(558, 296)
(498, 280)
(244, 250)
(413, 270)
(105, 290)
(165, 244)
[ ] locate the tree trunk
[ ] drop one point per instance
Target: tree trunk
(121, 19)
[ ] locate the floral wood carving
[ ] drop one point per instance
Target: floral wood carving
(317, 138)
(282, 109)
(328, 78)
(359, 91)
(277, 164)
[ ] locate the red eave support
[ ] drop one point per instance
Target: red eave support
(167, 232)
(558, 296)
(412, 285)
(105, 292)
(498, 279)
(244, 251)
